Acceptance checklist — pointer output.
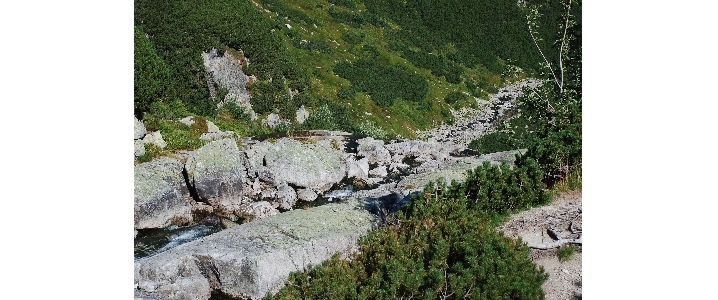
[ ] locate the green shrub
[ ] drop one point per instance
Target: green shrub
(369, 128)
(454, 97)
(493, 142)
(152, 76)
(383, 83)
(353, 37)
(151, 151)
(237, 112)
(330, 116)
(346, 3)
(565, 253)
(441, 245)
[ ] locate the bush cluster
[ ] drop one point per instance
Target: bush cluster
(487, 32)
(153, 79)
(442, 245)
(439, 65)
(181, 30)
(383, 83)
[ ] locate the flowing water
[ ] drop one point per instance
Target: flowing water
(149, 242)
(152, 241)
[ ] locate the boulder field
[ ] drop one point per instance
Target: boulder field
(248, 187)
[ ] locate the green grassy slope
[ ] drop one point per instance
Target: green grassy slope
(383, 68)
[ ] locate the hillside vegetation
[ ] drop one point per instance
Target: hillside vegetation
(383, 68)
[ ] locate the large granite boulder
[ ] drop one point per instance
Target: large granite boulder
(256, 154)
(357, 168)
(139, 148)
(161, 194)
(317, 166)
(252, 259)
(373, 150)
(154, 138)
(286, 196)
(140, 130)
(216, 171)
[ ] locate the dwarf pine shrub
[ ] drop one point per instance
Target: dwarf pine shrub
(442, 245)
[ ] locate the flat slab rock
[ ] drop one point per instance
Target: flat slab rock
(252, 259)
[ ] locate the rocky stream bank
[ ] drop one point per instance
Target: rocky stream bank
(240, 214)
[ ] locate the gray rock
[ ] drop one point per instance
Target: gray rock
(358, 168)
(258, 210)
(256, 187)
(429, 166)
(265, 174)
(159, 189)
(139, 148)
(273, 120)
(140, 130)
(398, 167)
(256, 154)
(507, 156)
(225, 71)
(302, 115)
(187, 121)
(140, 295)
(317, 166)
(252, 259)
(269, 194)
(286, 196)
(211, 128)
(306, 195)
(379, 172)
(410, 148)
(217, 171)
(215, 136)
(155, 138)
(373, 150)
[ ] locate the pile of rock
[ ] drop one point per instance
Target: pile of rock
(220, 179)
(142, 138)
(471, 124)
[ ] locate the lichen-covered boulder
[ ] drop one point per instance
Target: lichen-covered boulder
(379, 172)
(306, 195)
(273, 120)
(258, 210)
(216, 171)
(140, 130)
(317, 166)
(139, 148)
(358, 168)
(159, 189)
(255, 154)
(155, 138)
(373, 150)
(286, 196)
(302, 115)
(252, 259)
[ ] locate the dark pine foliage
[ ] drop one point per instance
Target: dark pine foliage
(442, 245)
(181, 30)
(383, 83)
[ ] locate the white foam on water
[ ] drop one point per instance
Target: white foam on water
(344, 192)
(185, 235)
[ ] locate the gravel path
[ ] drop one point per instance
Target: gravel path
(565, 278)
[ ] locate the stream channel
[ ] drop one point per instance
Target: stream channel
(149, 242)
